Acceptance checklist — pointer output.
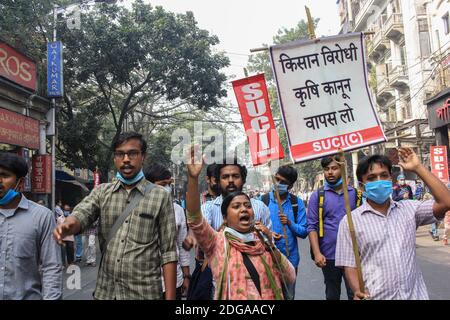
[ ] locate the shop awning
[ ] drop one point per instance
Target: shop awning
(65, 177)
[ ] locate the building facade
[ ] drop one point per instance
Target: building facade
(402, 52)
(439, 104)
(23, 119)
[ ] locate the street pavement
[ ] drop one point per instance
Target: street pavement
(433, 258)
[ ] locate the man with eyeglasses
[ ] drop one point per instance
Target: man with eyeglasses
(146, 239)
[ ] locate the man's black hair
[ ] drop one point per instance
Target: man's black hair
(210, 170)
(242, 169)
(12, 162)
(156, 172)
(324, 162)
(289, 173)
(227, 200)
(125, 136)
(366, 164)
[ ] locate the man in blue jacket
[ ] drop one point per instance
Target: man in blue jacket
(293, 217)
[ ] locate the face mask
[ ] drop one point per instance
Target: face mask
(9, 196)
(282, 188)
(244, 237)
(66, 213)
(378, 191)
(168, 188)
(333, 185)
(129, 182)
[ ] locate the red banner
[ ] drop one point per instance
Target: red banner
(439, 162)
(17, 67)
(42, 174)
(253, 101)
(18, 130)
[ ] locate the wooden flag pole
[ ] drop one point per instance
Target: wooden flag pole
(343, 164)
(280, 208)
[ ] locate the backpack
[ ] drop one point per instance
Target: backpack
(294, 202)
(321, 192)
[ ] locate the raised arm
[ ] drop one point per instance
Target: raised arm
(410, 162)
(194, 167)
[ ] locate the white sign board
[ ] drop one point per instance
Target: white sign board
(324, 96)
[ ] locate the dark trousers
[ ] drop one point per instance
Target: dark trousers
(333, 280)
(69, 250)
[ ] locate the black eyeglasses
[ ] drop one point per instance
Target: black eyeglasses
(131, 154)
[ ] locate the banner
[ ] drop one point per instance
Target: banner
(439, 162)
(54, 70)
(253, 101)
(18, 130)
(42, 174)
(324, 96)
(17, 67)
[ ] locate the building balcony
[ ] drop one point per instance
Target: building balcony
(365, 11)
(398, 78)
(394, 27)
(377, 46)
(384, 92)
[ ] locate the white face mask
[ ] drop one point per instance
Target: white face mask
(245, 237)
(168, 188)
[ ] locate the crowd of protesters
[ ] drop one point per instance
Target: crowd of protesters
(246, 246)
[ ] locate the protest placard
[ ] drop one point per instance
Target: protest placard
(324, 96)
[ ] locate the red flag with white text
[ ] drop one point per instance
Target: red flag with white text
(253, 101)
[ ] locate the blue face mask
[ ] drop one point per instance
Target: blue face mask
(282, 188)
(129, 182)
(378, 191)
(333, 185)
(8, 197)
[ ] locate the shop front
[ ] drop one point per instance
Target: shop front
(439, 118)
(23, 118)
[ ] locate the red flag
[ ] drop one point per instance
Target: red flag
(253, 101)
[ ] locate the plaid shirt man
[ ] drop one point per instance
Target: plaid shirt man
(131, 266)
(387, 248)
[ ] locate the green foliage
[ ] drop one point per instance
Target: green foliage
(119, 62)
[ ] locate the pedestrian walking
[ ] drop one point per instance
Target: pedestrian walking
(326, 208)
(30, 259)
(138, 232)
(401, 190)
(386, 231)
(90, 247)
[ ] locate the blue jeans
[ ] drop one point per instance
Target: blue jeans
(79, 246)
(434, 229)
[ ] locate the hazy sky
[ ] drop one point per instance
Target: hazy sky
(245, 24)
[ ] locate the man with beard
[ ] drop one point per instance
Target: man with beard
(213, 187)
(137, 228)
(326, 208)
(231, 178)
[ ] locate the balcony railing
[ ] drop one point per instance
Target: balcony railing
(398, 76)
(394, 26)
